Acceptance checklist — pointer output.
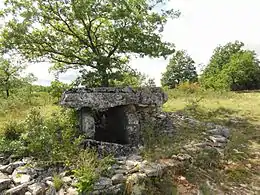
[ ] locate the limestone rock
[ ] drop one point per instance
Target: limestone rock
(6, 169)
(51, 191)
(72, 191)
(103, 183)
(220, 130)
(218, 139)
(23, 174)
(153, 169)
(118, 178)
(21, 178)
(66, 179)
(17, 190)
(37, 188)
(61, 192)
(5, 182)
(103, 98)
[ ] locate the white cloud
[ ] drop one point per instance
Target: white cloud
(203, 25)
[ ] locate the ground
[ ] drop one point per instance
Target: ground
(241, 113)
(236, 172)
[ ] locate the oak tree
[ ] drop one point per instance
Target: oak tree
(96, 37)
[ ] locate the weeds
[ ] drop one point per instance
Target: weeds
(57, 182)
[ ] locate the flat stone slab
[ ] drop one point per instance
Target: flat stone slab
(108, 97)
(108, 148)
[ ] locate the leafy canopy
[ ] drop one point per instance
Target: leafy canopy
(180, 69)
(97, 37)
(233, 68)
(10, 76)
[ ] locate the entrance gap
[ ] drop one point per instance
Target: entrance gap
(110, 126)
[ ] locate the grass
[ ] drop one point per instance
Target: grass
(238, 111)
(15, 109)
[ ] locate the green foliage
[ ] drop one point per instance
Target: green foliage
(57, 182)
(57, 88)
(12, 130)
(85, 171)
(180, 69)
(232, 68)
(9, 76)
(51, 139)
(188, 87)
(88, 167)
(128, 78)
(93, 37)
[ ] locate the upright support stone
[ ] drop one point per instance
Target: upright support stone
(87, 123)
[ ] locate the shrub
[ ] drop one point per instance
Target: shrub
(85, 171)
(48, 139)
(12, 130)
(189, 87)
(57, 182)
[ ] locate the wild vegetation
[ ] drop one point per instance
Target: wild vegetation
(99, 38)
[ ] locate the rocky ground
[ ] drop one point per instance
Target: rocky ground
(125, 176)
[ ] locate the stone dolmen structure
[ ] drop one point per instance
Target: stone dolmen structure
(117, 115)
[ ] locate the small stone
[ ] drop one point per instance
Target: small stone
(135, 158)
(218, 139)
(118, 178)
(5, 182)
(36, 188)
(103, 183)
(66, 179)
(131, 163)
(23, 174)
(51, 191)
(220, 130)
(183, 157)
(61, 191)
(28, 193)
(48, 178)
(27, 160)
(120, 171)
(72, 191)
(243, 185)
(20, 189)
(21, 178)
(18, 164)
(182, 178)
(153, 170)
(49, 183)
(6, 169)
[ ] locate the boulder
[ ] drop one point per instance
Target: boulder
(37, 188)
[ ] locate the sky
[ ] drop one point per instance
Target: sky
(202, 26)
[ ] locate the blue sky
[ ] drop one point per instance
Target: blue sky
(203, 25)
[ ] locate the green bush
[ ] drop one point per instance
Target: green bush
(85, 171)
(189, 87)
(12, 130)
(57, 182)
(49, 139)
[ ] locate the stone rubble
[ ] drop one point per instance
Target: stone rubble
(130, 169)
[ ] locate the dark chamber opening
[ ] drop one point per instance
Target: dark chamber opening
(110, 126)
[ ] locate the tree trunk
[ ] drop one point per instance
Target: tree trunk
(7, 93)
(104, 81)
(104, 77)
